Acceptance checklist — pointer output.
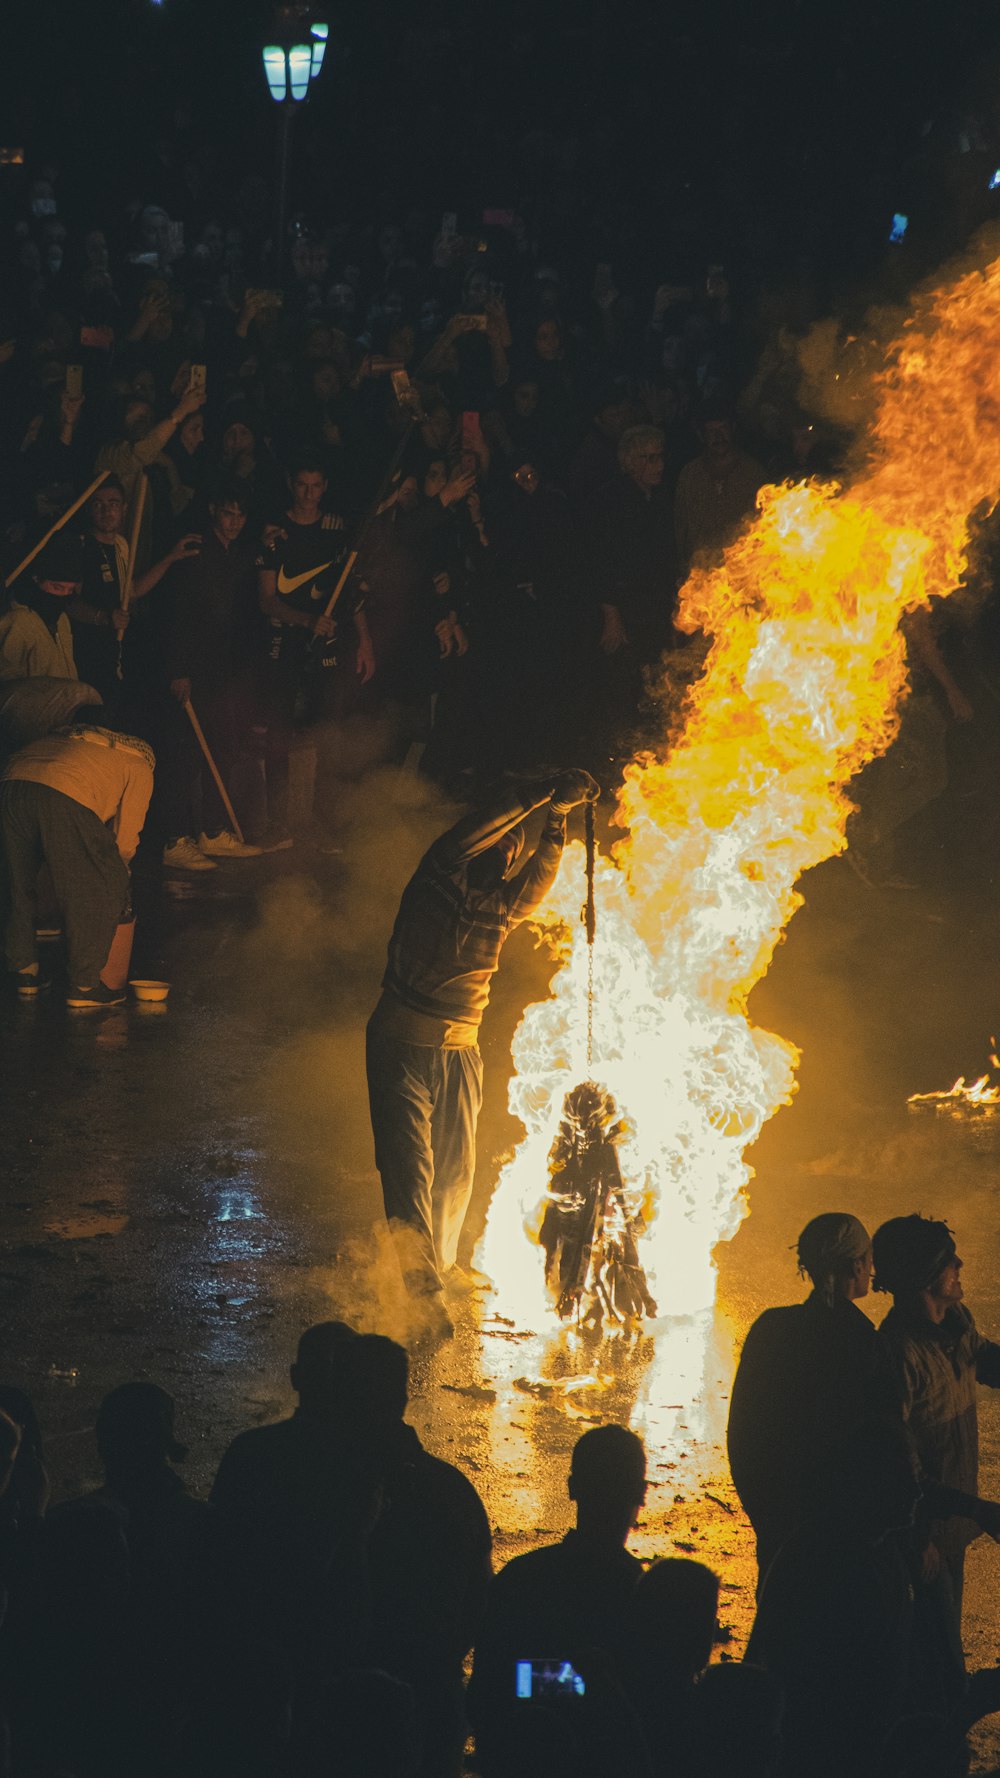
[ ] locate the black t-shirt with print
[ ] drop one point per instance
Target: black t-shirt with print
(307, 562)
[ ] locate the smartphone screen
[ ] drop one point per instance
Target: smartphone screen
(74, 380)
(547, 1679)
(900, 224)
(196, 381)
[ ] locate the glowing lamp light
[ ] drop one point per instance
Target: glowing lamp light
(299, 70)
(276, 71)
(288, 70)
(995, 181)
(320, 34)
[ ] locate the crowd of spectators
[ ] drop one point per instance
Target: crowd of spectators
(563, 450)
(419, 488)
(332, 1607)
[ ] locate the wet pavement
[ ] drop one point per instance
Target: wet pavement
(186, 1187)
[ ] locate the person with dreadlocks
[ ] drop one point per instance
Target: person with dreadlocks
(425, 1072)
(803, 1381)
(933, 1355)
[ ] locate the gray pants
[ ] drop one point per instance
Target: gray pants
(424, 1107)
(42, 826)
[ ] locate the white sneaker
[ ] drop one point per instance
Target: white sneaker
(226, 845)
(185, 855)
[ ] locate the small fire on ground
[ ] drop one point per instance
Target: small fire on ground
(981, 1095)
(802, 684)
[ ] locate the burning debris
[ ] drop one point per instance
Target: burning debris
(590, 1228)
(982, 1094)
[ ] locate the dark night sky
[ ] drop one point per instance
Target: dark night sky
(798, 127)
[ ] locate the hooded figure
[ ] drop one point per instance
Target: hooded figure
(36, 638)
(803, 1381)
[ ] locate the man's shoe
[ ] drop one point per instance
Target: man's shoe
(30, 982)
(98, 995)
(226, 845)
(275, 839)
(183, 854)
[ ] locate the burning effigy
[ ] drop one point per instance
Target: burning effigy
(802, 680)
(592, 1221)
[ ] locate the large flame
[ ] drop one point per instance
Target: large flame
(804, 677)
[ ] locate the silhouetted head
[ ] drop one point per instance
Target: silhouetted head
(673, 1617)
(135, 1429)
(737, 1722)
(378, 1382)
(607, 1480)
(318, 1372)
(20, 1408)
(910, 1254)
(835, 1251)
(58, 569)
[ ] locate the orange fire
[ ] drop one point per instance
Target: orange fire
(801, 686)
(982, 1094)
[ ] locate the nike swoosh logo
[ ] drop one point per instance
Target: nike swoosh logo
(286, 585)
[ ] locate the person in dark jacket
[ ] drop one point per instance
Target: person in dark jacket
(933, 1356)
(425, 1071)
(565, 1602)
(211, 604)
(802, 1381)
(834, 1618)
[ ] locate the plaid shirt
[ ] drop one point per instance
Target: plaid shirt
(446, 943)
(934, 1371)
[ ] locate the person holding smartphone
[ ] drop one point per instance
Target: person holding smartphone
(559, 1605)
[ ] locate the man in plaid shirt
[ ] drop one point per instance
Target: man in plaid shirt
(425, 1072)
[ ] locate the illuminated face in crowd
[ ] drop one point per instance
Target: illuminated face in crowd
(228, 520)
(107, 512)
(548, 341)
(237, 441)
(308, 488)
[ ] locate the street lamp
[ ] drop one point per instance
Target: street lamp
(291, 63)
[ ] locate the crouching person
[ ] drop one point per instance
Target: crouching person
(75, 801)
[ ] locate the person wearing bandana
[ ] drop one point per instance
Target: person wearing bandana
(36, 637)
(803, 1381)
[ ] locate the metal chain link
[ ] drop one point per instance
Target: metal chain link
(590, 1007)
(590, 921)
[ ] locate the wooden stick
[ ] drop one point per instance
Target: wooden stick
(213, 768)
(67, 515)
(133, 539)
(133, 545)
(342, 582)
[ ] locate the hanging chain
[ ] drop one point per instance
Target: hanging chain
(590, 921)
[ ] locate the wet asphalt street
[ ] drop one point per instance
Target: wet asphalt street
(185, 1188)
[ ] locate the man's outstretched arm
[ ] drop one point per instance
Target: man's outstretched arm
(532, 884)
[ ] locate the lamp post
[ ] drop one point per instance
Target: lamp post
(292, 60)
